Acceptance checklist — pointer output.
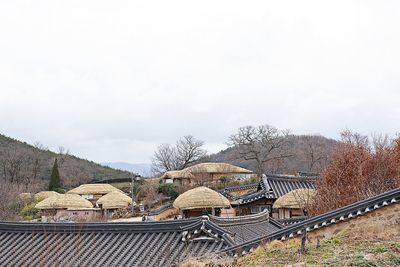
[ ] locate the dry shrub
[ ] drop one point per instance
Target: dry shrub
(358, 170)
(10, 201)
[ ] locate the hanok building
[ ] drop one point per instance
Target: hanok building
(206, 173)
(270, 188)
(294, 204)
(201, 200)
(67, 207)
(113, 201)
(93, 192)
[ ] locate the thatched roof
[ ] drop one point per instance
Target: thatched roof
(199, 198)
(205, 168)
(114, 200)
(64, 201)
(45, 194)
(296, 199)
(177, 174)
(93, 189)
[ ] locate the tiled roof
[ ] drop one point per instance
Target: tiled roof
(164, 243)
(273, 186)
(226, 192)
(342, 214)
(245, 228)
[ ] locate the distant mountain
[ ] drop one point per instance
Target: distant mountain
(140, 168)
(24, 163)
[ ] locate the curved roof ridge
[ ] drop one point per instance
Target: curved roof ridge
(290, 178)
(259, 217)
(170, 225)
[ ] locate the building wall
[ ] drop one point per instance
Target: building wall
(70, 215)
(250, 208)
(165, 214)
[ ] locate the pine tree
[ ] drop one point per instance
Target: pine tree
(55, 184)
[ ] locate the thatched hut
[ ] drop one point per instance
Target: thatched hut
(113, 201)
(295, 203)
(200, 200)
(93, 192)
(45, 194)
(206, 172)
(69, 207)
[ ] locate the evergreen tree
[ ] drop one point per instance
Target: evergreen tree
(55, 183)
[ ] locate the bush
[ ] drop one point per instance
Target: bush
(59, 190)
(169, 190)
(29, 211)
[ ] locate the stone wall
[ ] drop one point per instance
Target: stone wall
(382, 223)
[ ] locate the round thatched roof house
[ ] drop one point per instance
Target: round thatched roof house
(45, 194)
(93, 189)
(201, 198)
(296, 199)
(64, 201)
(114, 200)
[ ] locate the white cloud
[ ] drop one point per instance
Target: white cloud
(111, 80)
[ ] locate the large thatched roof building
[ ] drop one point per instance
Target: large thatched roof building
(296, 199)
(45, 194)
(64, 201)
(114, 200)
(198, 200)
(295, 203)
(93, 191)
(206, 172)
(67, 207)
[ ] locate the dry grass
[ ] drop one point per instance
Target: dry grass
(339, 250)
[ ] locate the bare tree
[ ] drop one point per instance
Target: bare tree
(186, 151)
(13, 165)
(64, 153)
(164, 159)
(189, 150)
(315, 153)
(262, 144)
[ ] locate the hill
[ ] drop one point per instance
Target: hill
(311, 153)
(31, 164)
(143, 169)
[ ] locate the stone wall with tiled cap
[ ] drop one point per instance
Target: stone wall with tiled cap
(383, 223)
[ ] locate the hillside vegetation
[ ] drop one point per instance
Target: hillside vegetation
(23, 163)
(310, 153)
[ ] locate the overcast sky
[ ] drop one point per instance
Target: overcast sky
(110, 80)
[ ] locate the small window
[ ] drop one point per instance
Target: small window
(86, 213)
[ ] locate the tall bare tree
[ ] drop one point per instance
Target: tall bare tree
(263, 144)
(315, 152)
(186, 151)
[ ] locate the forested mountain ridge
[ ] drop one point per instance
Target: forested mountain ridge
(309, 153)
(30, 164)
